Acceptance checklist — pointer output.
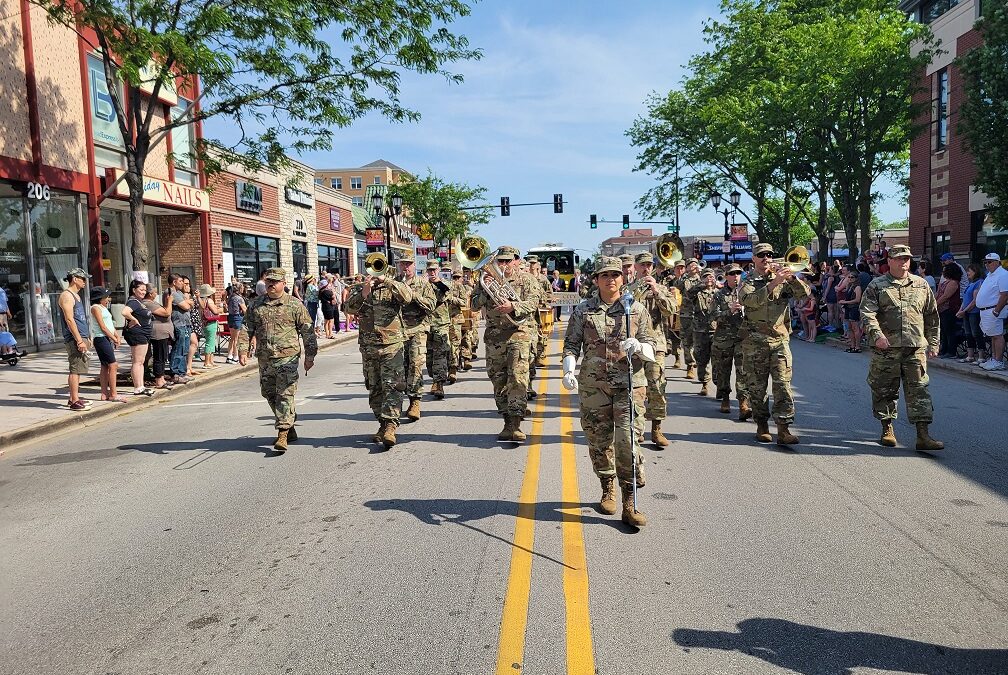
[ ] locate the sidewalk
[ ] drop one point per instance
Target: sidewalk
(33, 394)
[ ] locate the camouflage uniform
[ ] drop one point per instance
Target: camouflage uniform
(906, 313)
(673, 339)
(685, 283)
(507, 344)
(458, 300)
(415, 315)
(547, 291)
(438, 339)
(470, 334)
(766, 351)
(726, 347)
(278, 326)
(596, 330)
(704, 325)
(660, 309)
(381, 338)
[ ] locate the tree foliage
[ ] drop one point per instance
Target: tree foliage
(286, 74)
(983, 115)
(436, 202)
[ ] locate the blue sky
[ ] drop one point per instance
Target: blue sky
(545, 111)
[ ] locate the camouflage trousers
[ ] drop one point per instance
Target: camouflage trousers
(543, 343)
(508, 369)
(455, 340)
(438, 354)
(468, 343)
(654, 371)
(702, 354)
(885, 372)
(605, 419)
(534, 353)
(278, 380)
(686, 333)
(415, 356)
(673, 341)
(724, 353)
(771, 361)
(385, 380)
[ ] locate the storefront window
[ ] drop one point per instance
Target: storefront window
(56, 237)
(14, 278)
(248, 256)
(334, 259)
(299, 249)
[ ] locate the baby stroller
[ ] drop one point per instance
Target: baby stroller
(9, 353)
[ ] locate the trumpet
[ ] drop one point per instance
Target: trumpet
(795, 259)
(376, 265)
(702, 264)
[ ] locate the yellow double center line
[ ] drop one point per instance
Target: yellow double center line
(511, 649)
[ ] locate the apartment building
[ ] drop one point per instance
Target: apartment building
(355, 180)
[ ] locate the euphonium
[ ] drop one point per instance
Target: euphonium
(473, 252)
(376, 264)
(669, 249)
(795, 259)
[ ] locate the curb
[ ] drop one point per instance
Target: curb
(83, 420)
(942, 364)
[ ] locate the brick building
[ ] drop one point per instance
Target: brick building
(632, 241)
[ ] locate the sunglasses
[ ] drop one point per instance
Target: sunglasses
(764, 254)
(734, 274)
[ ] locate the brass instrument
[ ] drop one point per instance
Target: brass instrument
(474, 253)
(795, 259)
(376, 265)
(702, 264)
(669, 249)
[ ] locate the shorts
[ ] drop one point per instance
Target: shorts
(106, 352)
(852, 313)
(989, 324)
(236, 321)
(78, 360)
(135, 337)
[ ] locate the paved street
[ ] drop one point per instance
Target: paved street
(175, 541)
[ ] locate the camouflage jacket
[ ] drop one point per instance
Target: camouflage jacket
(904, 311)
(458, 299)
(416, 312)
(767, 317)
(660, 306)
(440, 318)
(685, 284)
(704, 300)
(546, 290)
(380, 316)
(278, 327)
(499, 328)
(728, 325)
(588, 287)
(596, 330)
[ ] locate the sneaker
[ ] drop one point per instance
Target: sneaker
(79, 404)
(991, 364)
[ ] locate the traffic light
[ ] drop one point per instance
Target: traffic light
(698, 249)
(505, 206)
(626, 222)
(593, 219)
(558, 203)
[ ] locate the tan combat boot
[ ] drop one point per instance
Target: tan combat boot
(725, 405)
(784, 435)
(704, 391)
(744, 411)
(413, 412)
(675, 363)
(281, 441)
(437, 391)
(508, 431)
(763, 431)
(888, 438)
(924, 440)
(378, 434)
(631, 516)
(452, 376)
(657, 437)
(292, 434)
(528, 412)
(467, 365)
(516, 433)
(607, 504)
(690, 372)
(388, 434)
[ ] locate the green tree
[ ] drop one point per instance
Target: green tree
(285, 73)
(438, 203)
(983, 115)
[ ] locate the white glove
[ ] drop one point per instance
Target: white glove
(630, 346)
(569, 380)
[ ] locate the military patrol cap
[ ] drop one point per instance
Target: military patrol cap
(644, 258)
(689, 261)
(679, 263)
(507, 253)
(900, 251)
(626, 259)
(734, 269)
(406, 256)
(762, 247)
(433, 263)
(77, 272)
(607, 264)
(456, 274)
(276, 274)
(708, 272)
(532, 258)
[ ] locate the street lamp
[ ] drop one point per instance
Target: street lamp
(832, 233)
(879, 233)
(733, 199)
(384, 216)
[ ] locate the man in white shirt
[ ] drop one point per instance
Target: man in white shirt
(991, 300)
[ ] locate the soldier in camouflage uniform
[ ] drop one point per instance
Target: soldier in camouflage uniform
(508, 333)
(541, 339)
(766, 351)
(900, 317)
(685, 283)
(458, 299)
(671, 327)
(597, 329)
(378, 304)
(726, 346)
(470, 327)
(278, 323)
(438, 339)
(704, 324)
(415, 317)
(660, 307)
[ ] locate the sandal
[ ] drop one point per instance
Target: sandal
(166, 386)
(146, 391)
(118, 398)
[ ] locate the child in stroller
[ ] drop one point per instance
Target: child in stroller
(9, 353)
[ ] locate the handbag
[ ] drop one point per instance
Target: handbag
(208, 316)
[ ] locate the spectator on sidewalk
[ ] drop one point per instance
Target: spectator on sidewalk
(236, 318)
(311, 298)
(5, 312)
(831, 279)
(807, 309)
(161, 335)
(949, 259)
(948, 305)
(970, 316)
(137, 329)
(327, 301)
(260, 287)
(337, 285)
(76, 334)
(106, 341)
(925, 271)
(209, 311)
(196, 323)
(850, 292)
(175, 300)
(991, 300)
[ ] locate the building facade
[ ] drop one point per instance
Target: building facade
(355, 180)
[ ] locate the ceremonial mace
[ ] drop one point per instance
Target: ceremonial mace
(627, 300)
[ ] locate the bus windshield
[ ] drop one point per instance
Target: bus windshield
(557, 260)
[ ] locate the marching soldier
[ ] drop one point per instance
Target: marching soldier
(438, 340)
(704, 324)
(415, 318)
(684, 283)
(671, 327)
(726, 346)
(597, 329)
(547, 303)
(378, 304)
(526, 266)
(508, 333)
(458, 300)
(470, 324)
(660, 307)
(766, 350)
(278, 323)
(900, 317)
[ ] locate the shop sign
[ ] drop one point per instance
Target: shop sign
(375, 236)
(106, 264)
(295, 196)
(104, 121)
(248, 196)
(165, 193)
(299, 229)
(148, 75)
(37, 191)
(334, 220)
(740, 232)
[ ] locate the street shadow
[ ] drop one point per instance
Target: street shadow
(810, 650)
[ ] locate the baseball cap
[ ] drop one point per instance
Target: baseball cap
(77, 272)
(276, 274)
(992, 256)
(946, 257)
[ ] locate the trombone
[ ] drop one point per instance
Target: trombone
(796, 259)
(376, 265)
